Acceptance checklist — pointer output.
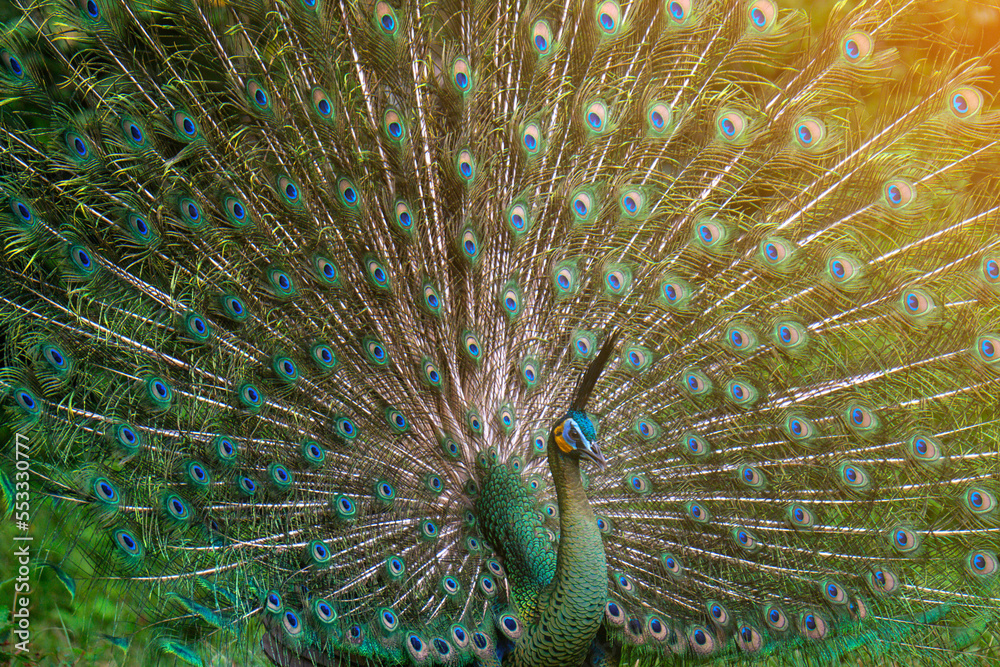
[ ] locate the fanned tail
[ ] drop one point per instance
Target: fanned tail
(293, 294)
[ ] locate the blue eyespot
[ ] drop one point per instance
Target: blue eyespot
(26, 401)
(106, 491)
(13, 64)
(895, 194)
(135, 133)
(82, 257)
(179, 508)
(127, 542)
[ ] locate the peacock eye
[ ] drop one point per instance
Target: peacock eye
(541, 37)
(12, 64)
(861, 419)
(658, 117)
(258, 95)
(883, 581)
(905, 540)
(749, 639)
(842, 269)
(385, 18)
(596, 116)
(898, 193)
(679, 10)
(988, 348)
(965, 102)
(857, 46)
(812, 625)
(762, 14)
(581, 206)
(776, 619)
(701, 641)
(833, 592)
(731, 126)
(531, 138)
(982, 564)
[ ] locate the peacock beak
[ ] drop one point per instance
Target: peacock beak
(593, 452)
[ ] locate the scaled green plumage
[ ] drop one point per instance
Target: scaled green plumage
(321, 319)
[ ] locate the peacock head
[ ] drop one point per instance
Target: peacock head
(576, 436)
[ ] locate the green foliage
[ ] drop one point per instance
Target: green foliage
(81, 631)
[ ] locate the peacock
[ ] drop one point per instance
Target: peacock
(534, 333)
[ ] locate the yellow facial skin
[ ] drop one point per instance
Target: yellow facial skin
(564, 446)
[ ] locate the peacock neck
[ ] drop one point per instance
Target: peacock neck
(573, 613)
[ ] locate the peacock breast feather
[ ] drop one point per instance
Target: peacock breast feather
(509, 514)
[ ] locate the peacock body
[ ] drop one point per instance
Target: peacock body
(521, 333)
